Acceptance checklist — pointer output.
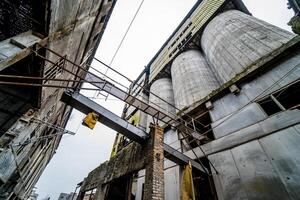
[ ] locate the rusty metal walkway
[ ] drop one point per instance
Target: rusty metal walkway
(106, 117)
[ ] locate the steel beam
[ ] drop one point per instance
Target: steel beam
(106, 117)
(180, 159)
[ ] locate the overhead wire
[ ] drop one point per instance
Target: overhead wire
(124, 36)
(155, 95)
(232, 113)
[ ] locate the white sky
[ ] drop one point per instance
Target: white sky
(78, 155)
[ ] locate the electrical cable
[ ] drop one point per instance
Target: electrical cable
(249, 102)
(124, 36)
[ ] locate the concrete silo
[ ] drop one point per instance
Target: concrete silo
(162, 97)
(233, 41)
(192, 78)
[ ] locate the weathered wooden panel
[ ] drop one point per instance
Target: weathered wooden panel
(258, 176)
(228, 182)
(283, 150)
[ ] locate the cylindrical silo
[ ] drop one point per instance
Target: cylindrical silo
(163, 89)
(192, 78)
(233, 41)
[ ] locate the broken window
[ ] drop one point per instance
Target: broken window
(90, 194)
(196, 131)
(286, 98)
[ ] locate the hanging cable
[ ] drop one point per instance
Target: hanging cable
(123, 38)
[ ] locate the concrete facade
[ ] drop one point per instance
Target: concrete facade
(192, 78)
(71, 28)
(237, 81)
(65, 196)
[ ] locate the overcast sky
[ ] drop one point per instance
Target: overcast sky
(78, 155)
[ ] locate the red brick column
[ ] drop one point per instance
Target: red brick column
(154, 180)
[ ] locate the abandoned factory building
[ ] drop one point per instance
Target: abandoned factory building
(36, 38)
(213, 115)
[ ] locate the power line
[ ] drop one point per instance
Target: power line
(143, 87)
(123, 38)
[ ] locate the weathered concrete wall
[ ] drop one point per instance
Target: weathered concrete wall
(73, 28)
(232, 108)
(267, 168)
(161, 97)
(129, 160)
(233, 40)
(192, 78)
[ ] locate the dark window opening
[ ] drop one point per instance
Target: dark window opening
(204, 185)
(289, 97)
(143, 190)
(102, 19)
(16, 100)
(199, 130)
(286, 98)
(19, 16)
(118, 189)
(269, 106)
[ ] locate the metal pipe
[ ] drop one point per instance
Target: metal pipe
(50, 79)
(42, 85)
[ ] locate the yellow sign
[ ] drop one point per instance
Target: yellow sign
(90, 120)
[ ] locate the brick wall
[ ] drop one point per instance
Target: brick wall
(154, 180)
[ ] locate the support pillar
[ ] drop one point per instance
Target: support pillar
(101, 192)
(154, 180)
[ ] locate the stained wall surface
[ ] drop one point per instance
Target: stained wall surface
(232, 41)
(162, 97)
(237, 110)
(192, 78)
(267, 168)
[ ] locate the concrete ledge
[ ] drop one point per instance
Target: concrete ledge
(263, 128)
